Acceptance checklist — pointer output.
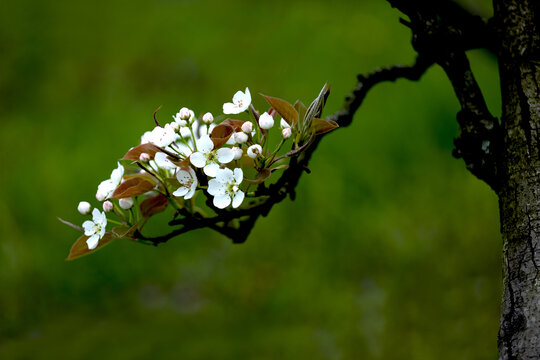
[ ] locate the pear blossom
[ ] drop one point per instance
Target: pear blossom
(208, 118)
(162, 161)
(108, 206)
(210, 159)
(237, 152)
(247, 127)
(266, 121)
(241, 102)
(84, 207)
(225, 188)
(106, 188)
(160, 136)
(125, 203)
(144, 157)
(286, 133)
(254, 150)
(95, 229)
(188, 183)
(240, 137)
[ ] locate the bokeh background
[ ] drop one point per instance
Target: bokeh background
(391, 250)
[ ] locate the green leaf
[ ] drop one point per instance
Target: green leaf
(286, 110)
(80, 248)
(301, 108)
(136, 185)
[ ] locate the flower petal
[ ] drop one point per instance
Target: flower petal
(238, 198)
(238, 175)
(205, 144)
(224, 176)
(198, 159)
(88, 227)
(225, 155)
(181, 191)
(211, 169)
(216, 188)
(92, 241)
(184, 176)
(230, 108)
(222, 201)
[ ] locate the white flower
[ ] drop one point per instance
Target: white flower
(240, 137)
(286, 133)
(225, 188)
(241, 102)
(106, 188)
(108, 206)
(84, 207)
(160, 136)
(162, 161)
(188, 183)
(210, 159)
(254, 150)
(266, 121)
(247, 127)
(208, 118)
(125, 203)
(237, 152)
(95, 229)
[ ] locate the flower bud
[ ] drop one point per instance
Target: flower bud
(125, 203)
(101, 194)
(107, 206)
(237, 152)
(247, 127)
(240, 137)
(144, 157)
(286, 133)
(254, 150)
(84, 207)
(266, 121)
(175, 126)
(208, 118)
(184, 113)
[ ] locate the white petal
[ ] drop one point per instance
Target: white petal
(191, 192)
(238, 96)
(88, 227)
(238, 198)
(215, 187)
(222, 201)
(92, 241)
(198, 159)
(238, 176)
(225, 155)
(184, 176)
(205, 144)
(224, 176)
(284, 124)
(230, 108)
(211, 169)
(181, 191)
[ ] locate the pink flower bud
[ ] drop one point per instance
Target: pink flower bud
(286, 133)
(237, 152)
(247, 127)
(144, 157)
(184, 113)
(84, 207)
(107, 206)
(125, 203)
(208, 118)
(254, 150)
(240, 137)
(266, 121)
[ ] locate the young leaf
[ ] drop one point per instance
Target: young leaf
(154, 205)
(121, 231)
(80, 248)
(221, 134)
(134, 153)
(260, 177)
(321, 126)
(236, 124)
(133, 186)
(301, 108)
(286, 110)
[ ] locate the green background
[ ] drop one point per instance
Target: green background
(391, 250)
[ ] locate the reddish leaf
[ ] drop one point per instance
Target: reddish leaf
(221, 134)
(286, 110)
(123, 231)
(80, 248)
(320, 126)
(154, 205)
(133, 186)
(301, 108)
(236, 124)
(260, 177)
(134, 153)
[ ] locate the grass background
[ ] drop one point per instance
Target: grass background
(391, 250)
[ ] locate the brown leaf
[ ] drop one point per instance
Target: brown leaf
(321, 126)
(286, 110)
(260, 177)
(123, 230)
(154, 205)
(133, 186)
(134, 153)
(80, 248)
(236, 124)
(221, 134)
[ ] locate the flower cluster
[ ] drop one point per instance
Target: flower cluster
(194, 155)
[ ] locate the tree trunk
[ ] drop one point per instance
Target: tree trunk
(519, 177)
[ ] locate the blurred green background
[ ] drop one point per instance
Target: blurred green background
(391, 250)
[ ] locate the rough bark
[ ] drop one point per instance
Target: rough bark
(519, 195)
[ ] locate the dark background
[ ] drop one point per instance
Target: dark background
(391, 250)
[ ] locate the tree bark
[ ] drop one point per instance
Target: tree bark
(519, 176)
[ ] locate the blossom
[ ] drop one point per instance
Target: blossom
(188, 183)
(95, 229)
(254, 150)
(210, 159)
(237, 152)
(208, 118)
(184, 116)
(125, 203)
(160, 136)
(241, 102)
(162, 161)
(108, 206)
(106, 188)
(266, 121)
(225, 188)
(84, 207)
(144, 157)
(247, 127)
(286, 133)
(240, 137)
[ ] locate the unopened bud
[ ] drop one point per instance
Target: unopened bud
(184, 113)
(84, 207)
(286, 133)
(247, 127)
(125, 203)
(107, 206)
(237, 152)
(144, 157)
(254, 150)
(240, 137)
(208, 118)
(266, 121)
(175, 126)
